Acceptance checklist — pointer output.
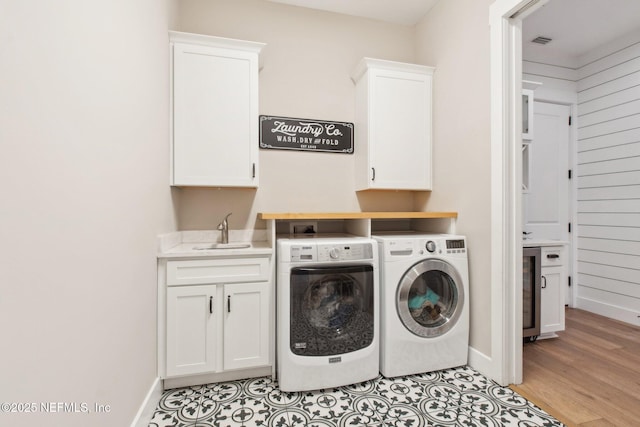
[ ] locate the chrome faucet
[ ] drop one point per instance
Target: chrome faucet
(224, 227)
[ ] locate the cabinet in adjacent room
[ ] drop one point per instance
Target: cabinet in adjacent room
(554, 279)
(214, 111)
(393, 125)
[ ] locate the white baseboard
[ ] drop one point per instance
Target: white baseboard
(149, 405)
(218, 377)
(608, 310)
(482, 363)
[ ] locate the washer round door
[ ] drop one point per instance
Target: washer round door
(430, 298)
(331, 309)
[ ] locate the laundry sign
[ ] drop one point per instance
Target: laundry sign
(286, 133)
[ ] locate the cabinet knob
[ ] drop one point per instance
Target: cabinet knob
(553, 256)
(211, 305)
(373, 174)
(229, 304)
(544, 282)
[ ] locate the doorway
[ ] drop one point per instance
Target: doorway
(506, 185)
(506, 18)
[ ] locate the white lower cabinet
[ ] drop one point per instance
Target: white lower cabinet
(191, 330)
(246, 325)
(218, 326)
(554, 278)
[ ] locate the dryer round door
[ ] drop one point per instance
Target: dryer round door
(430, 298)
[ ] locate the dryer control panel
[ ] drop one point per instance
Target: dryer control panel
(456, 246)
(401, 246)
(442, 246)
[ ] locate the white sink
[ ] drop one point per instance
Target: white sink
(222, 246)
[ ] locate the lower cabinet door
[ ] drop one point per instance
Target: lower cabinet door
(246, 325)
(552, 300)
(191, 329)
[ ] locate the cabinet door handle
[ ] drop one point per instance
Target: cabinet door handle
(553, 256)
(544, 282)
(229, 304)
(373, 174)
(253, 173)
(211, 305)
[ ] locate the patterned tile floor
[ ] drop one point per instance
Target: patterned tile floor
(453, 397)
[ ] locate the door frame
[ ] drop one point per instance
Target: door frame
(505, 19)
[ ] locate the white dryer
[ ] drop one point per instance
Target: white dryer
(424, 302)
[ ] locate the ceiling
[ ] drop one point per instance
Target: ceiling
(405, 12)
(576, 26)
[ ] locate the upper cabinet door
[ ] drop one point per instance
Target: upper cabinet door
(393, 125)
(214, 111)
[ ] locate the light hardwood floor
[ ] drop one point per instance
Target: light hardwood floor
(589, 375)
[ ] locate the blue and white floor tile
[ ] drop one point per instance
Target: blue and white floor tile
(453, 397)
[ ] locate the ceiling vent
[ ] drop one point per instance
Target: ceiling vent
(541, 40)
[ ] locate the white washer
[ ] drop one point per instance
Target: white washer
(327, 312)
(424, 294)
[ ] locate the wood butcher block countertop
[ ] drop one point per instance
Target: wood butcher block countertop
(355, 215)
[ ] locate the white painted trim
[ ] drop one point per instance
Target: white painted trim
(217, 377)
(481, 363)
(506, 215)
(572, 267)
(616, 312)
(214, 41)
(149, 405)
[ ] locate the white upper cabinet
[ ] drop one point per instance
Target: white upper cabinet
(393, 125)
(527, 108)
(214, 97)
(527, 114)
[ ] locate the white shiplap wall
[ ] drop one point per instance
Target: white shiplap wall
(608, 181)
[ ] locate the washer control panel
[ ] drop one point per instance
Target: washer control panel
(331, 252)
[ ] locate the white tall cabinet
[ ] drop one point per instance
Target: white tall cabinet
(214, 110)
(393, 123)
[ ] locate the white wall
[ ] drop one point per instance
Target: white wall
(454, 38)
(83, 132)
(608, 177)
(307, 64)
(558, 82)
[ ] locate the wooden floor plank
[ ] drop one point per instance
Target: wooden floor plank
(589, 376)
(556, 395)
